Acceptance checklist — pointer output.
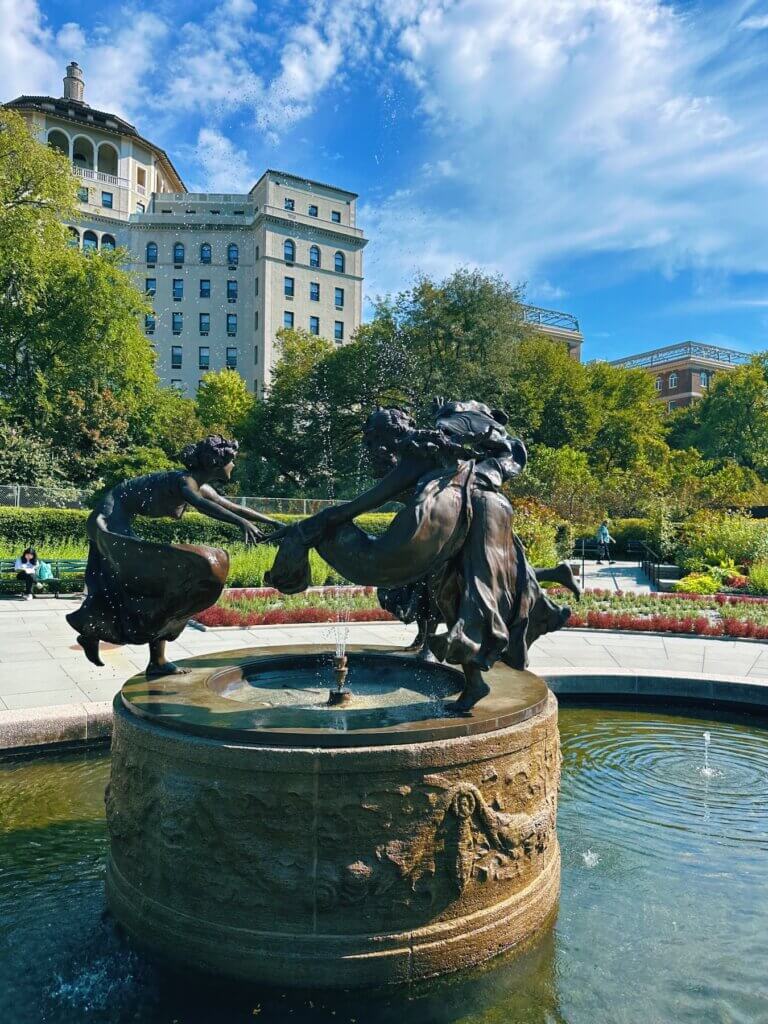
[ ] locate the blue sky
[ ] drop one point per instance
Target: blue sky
(612, 154)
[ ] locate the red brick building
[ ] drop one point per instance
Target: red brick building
(684, 372)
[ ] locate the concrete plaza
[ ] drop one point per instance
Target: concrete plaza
(42, 666)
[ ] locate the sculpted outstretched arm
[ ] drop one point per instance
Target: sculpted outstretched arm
(193, 496)
(240, 510)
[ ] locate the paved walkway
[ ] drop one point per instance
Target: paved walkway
(626, 576)
(41, 665)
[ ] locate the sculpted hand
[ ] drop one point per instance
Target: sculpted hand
(252, 534)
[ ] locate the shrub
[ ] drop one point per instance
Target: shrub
(696, 583)
(39, 526)
(537, 527)
(723, 538)
(758, 579)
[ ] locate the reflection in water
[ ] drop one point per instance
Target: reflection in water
(663, 914)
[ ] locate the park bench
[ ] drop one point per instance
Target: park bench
(69, 568)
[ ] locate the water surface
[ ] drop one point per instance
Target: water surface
(663, 916)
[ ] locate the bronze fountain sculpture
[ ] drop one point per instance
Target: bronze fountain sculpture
(267, 830)
(451, 552)
(142, 592)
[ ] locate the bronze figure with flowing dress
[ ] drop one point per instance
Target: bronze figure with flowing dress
(143, 592)
(453, 537)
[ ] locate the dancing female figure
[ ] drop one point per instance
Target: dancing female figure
(143, 592)
(453, 537)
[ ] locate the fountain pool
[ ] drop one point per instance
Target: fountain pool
(667, 920)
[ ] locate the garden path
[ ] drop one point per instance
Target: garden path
(42, 666)
(625, 576)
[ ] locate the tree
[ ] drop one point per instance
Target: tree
(562, 479)
(731, 421)
(223, 401)
(171, 422)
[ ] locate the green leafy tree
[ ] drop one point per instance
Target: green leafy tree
(732, 418)
(223, 401)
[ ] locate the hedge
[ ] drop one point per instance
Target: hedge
(38, 526)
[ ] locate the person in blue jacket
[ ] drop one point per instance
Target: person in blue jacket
(603, 540)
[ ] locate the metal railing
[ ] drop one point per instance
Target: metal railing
(550, 318)
(685, 350)
(90, 175)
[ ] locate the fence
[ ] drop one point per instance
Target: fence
(21, 496)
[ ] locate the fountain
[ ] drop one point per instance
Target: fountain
(396, 826)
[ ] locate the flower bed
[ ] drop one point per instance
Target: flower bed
(693, 614)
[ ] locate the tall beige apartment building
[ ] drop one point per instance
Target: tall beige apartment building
(224, 272)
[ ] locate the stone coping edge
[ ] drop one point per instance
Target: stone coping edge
(35, 730)
(32, 730)
(690, 687)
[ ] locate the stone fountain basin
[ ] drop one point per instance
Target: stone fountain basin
(278, 697)
(257, 834)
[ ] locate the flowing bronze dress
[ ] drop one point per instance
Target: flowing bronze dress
(139, 591)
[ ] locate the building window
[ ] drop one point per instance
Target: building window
(151, 252)
(150, 285)
(288, 319)
(256, 287)
(312, 211)
(289, 251)
(82, 194)
(338, 330)
(289, 204)
(671, 406)
(231, 291)
(256, 320)
(314, 256)
(336, 216)
(233, 254)
(314, 325)
(107, 242)
(73, 241)
(673, 380)
(205, 323)
(176, 357)
(178, 289)
(203, 358)
(704, 377)
(177, 384)
(338, 262)
(149, 323)
(231, 358)
(106, 200)
(257, 254)
(338, 297)
(177, 322)
(659, 383)
(314, 291)
(205, 253)
(90, 241)
(140, 207)
(255, 355)
(231, 324)
(205, 288)
(178, 253)
(288, 287)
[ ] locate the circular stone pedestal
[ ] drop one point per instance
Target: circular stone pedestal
(259, 834)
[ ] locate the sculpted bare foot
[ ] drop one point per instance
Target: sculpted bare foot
(469, 696)
(91, 648)
(155, 671)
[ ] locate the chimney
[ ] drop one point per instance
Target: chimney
(74, 85)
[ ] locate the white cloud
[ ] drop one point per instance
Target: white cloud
(756, 23)
(25, 44)
(223, 166)
(579, 126)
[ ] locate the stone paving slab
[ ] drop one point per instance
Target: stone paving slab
(40, 662)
